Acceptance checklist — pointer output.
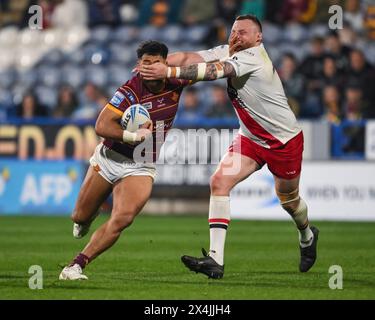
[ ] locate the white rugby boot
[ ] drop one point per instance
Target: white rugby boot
(80, 230)
(73, 272)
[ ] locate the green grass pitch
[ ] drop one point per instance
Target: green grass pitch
(261, 260)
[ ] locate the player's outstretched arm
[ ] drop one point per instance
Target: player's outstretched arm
(178, 59)
(196, 72)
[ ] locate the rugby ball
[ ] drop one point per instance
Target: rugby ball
(134, 117)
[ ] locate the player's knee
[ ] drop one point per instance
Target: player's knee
(218, 185)
(122, 220)
(291, 207)
(118, 224)
(289, 201)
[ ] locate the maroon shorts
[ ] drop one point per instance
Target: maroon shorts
(284, 162)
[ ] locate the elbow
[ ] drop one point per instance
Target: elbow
(99, 128)
(184, 59)
(177, 59)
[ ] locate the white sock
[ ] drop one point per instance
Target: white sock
(300, 218)
(305, 237)
(218, 219)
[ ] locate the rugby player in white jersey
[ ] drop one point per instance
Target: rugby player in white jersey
(269, 134)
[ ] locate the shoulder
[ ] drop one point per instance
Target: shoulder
(251, 56)
(132, 89)
(247, 53)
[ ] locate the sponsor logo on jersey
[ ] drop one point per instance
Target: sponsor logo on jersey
(130, 96)
(161, 102)
(249, 53)
(147, 105)
(117, 99)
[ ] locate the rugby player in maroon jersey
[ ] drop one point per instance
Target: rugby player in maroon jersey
(113, 167)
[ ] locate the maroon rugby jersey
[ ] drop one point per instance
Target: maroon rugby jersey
(161, 107)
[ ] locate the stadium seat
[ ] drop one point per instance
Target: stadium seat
(27, 57)
(74, 37)
(171, 34)
(47, 96)
(118, 74)
(7, 58)
(29, 38)
(49, 75)
(271, 33)
(27, 78)
(195, 34)
(124, 34)
(294, 32)
(7, 78)
(53, 57)
(6, 100)
(100, 56)
(122, 54)
(73, 75)
(8, 37)
(96, 54)
(97, 75)
(320, 30)
(76, 57)
(100, 34)
(149, 32)
(52, 38)
(128, 13)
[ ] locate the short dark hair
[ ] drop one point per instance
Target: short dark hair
(251, 17)
(290, 56)
(333, 34)
(153, 48)
(317, 39)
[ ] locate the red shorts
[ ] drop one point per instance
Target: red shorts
(284, 162)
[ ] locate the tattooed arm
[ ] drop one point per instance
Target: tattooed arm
(203, 71)
(196, 72)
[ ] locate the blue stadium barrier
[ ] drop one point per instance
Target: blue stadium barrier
(39, 187)
(348, 140)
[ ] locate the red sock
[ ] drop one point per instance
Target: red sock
(81, 259)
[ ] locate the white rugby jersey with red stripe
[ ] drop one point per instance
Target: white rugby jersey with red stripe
(257, 96)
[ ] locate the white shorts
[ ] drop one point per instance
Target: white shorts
(113, 166)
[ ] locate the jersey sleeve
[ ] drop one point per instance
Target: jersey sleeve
(123, 98)
(245, 62)
(218, 53)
